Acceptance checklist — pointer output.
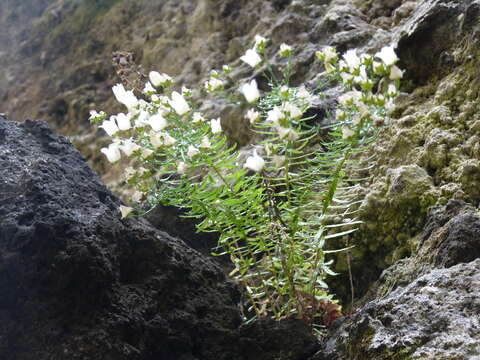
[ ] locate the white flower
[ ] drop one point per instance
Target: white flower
(158, 79)
(182, 168)
(351, 59)
(127, 98)
(205, 144)
(287, 133)
(251, 57)
(284, 91)
(226, 69)
(161, 139)
(350, 98)
(216, 126)
(197, 117)
(378, 67)
(285, 50)
(347, 133)
(292, 109)
(254, 162)
(179, 104)
(125, 210)
(110, 126)
(168, 140)
(275, 115)
(304, 95)
(157, 122)
(112, 152)
(192, 151)
(395, 73)
(252, 116)
(392, 90)
(186, 91)
(279, 160)
(328, 54)
(250, 91)
(128, 147)
(260, 42)
(142, 119)
(346, 77)
(340, 114)
(146, 153)
(148, 89)
(213, 84)
(387, 55)
(94, 115)
(123, 121)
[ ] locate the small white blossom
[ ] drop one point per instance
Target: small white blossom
(129, 146)
(158, 79)
(148, 89)
(254, 162)
(287, 133)
(395, 73)
(186, 91)
(213, 84)
(346, 77)
(285, 50)
(94, 115)
(168, 140)
(182, 168)
(378, 67)
(192, 151)
(252, 116)
(292, 109)
(216, 126)
(284, 91)
(112, 152)
(392, 90)
(146, 153)
(205, 144)
(350, 98)
(142, 119)
(197, 117)
(260, 42)
(347, 133)
(157, 122)
(351, 59)
(340, 115)
(251, 57)
(328, 54)
(387, 55)
(226, 69)
(275, 115)
(250, 91)
(123, 121)
(179, 104)
(279, 160)
(127, 98)
(125, 210)
(304, 94)
(110, 126)
(129, 173)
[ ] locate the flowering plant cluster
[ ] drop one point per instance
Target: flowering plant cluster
(270, 208)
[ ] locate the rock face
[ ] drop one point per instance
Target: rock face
(77, 282)
(425, 307)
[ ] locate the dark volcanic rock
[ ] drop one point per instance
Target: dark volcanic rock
(77, 282)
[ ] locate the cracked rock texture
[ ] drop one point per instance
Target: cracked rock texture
(77, 282)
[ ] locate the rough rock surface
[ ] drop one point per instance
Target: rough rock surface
(424, 307)
(77, 282)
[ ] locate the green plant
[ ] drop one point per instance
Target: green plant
(273, 210)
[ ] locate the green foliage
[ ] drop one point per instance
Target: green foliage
(274, 210)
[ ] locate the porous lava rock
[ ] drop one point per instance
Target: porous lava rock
(79, 282)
